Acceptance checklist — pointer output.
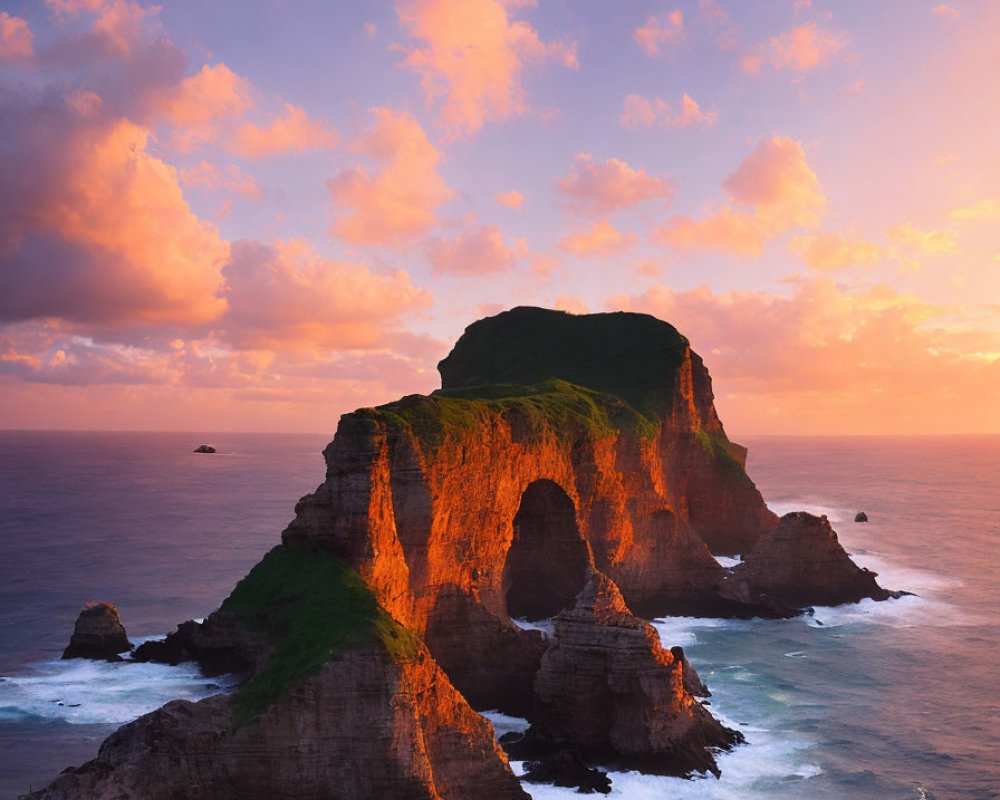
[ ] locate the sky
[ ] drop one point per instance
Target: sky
(261, 214)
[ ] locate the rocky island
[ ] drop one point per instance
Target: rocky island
(571, 468)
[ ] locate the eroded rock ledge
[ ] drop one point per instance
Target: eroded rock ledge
(571, 467)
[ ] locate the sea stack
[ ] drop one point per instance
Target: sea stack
(98, 634)
(571, 467)
(204, 448)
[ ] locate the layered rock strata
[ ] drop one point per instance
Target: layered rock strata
(98, 634)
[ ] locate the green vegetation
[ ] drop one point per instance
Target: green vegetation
(714, 445)
(312, 607)
(553, 404)
(631, 356)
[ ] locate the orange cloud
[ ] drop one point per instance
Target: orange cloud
(473, 57)
(988, 209)
(231, 178)
(574, 305)
(827, 360)
(286, 297)
(803, 48)
(657, 32)
(601, 188)
(830, 251)
(772, 191)
(477, 252)
(293, 133)
(511, 199)
(15, 39)
(639, 112)
(929, 242)
(397, 203)
(214, 93)
(602, 239)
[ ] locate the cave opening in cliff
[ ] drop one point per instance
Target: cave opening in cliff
(547, 562)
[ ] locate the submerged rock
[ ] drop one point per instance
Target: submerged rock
(204, 448)
(565, 768)
(98, 634)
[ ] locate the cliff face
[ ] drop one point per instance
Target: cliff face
(369, 724)
(442, 503)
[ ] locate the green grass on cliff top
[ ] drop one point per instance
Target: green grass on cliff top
(631, 356)
(312, 607)
(553, 404)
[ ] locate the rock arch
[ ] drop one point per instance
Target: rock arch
(548, 560)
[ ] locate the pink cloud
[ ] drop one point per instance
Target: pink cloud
(15, 39)
(472, 57)
(830, 360)
(397, 203)
(476, 252)
(293, 133)
(638, 112)
(772, 191)
(512, 199)
(229, 178)
(803, 48)
(601, 239)
(286, 297)
(98, 228)
(830, 251)
(607, 186)
(944, 10)
(657, 32)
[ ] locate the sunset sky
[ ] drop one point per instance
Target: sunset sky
(261, 214)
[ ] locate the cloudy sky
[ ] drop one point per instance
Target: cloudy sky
(260, 214)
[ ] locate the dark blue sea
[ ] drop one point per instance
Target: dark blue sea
(874, 701)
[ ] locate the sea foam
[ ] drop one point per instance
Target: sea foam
(82, 691)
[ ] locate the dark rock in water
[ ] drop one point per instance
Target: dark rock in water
(160, 651)
(801, 563)
(219, 644)
(567, 769)
(204, 448)
(861, 516)
(98, 634)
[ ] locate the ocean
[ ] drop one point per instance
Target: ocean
(889, 700)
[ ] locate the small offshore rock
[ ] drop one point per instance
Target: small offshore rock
(861, 516)
(98, 634)
(565, 768)
(204, 448)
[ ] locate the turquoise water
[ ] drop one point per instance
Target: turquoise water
(882, 700)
